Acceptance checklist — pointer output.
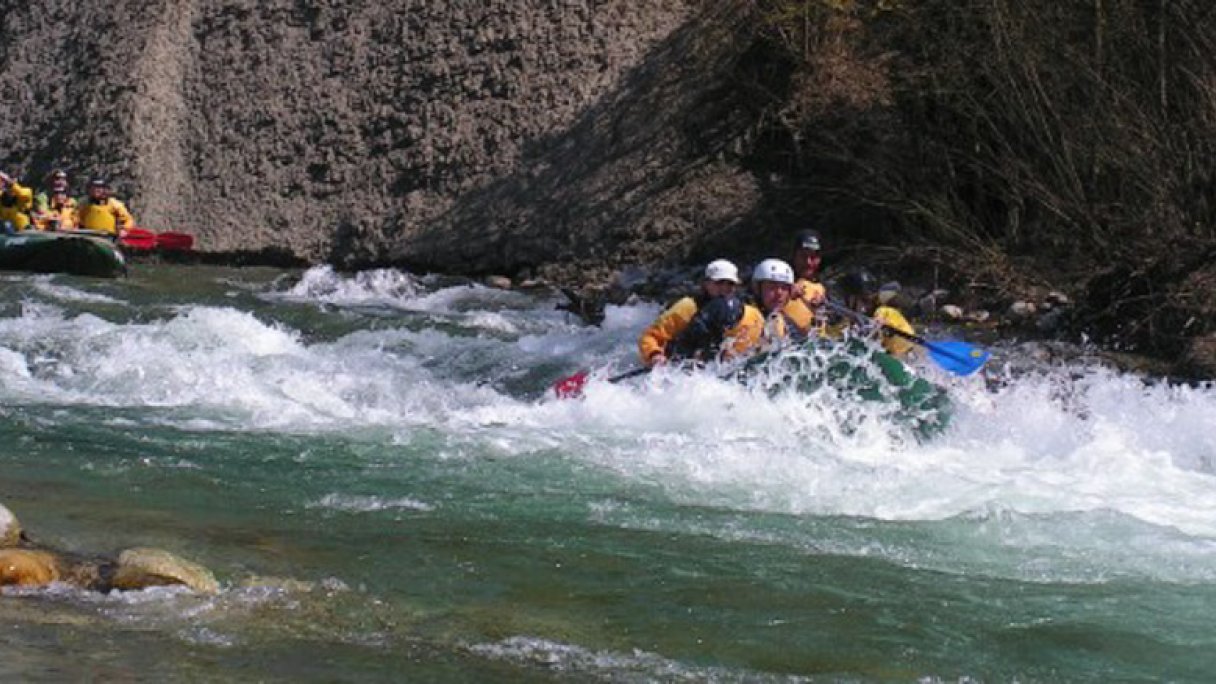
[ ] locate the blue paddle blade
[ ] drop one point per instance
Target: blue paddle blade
(957, 357)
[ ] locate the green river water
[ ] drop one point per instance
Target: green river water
(374, 469)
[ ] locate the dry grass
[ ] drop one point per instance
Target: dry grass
(1031, 142)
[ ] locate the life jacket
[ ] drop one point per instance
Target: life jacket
(745, 337)
(668, 326)
(15, 203)
(800, 311)
(104, 217)
(52, 217)
(701, 340)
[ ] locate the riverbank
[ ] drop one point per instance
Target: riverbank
(571, 143)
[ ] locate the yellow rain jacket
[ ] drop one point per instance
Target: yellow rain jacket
(105, 217)
(15, 203)
(666, 327)
(739, 339)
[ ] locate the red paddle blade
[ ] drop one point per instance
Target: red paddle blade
(175, 242)
(138, 238)
(571, 387)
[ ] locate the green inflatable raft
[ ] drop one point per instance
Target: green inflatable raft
(853, 367)
(76, 253)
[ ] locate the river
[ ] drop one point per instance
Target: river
(375, 470)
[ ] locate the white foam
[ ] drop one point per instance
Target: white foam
(64, 293)
(579, 661)
(7, 521)
(381, 286)
(1073, 446)
(353, 503)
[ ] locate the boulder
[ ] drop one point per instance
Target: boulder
(888, 292)
(1200, 358)
(1058, 298)
(27, 568)
(10, 528)
(1051, 321)
(140, 568)
(931, 302)
(1022, 309)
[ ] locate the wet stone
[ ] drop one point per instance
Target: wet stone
(10, 528)
(140, 568)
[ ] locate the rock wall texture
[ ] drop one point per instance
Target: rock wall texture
(466, 136)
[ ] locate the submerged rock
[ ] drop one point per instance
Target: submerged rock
(27, 568)
(10, 529)
(140, 568)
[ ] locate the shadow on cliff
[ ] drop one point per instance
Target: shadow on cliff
(648, 174)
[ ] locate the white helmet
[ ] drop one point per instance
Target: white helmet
(774, 270)
(722, 269)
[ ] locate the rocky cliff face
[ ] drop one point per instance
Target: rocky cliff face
(467, 136)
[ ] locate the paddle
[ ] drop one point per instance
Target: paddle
(145, 240)
(138, 239)
(172, 241)
(954, 356)
(572, 387)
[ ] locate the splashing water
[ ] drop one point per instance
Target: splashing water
(394, 434)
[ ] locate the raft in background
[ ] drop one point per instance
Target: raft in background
(75, 253)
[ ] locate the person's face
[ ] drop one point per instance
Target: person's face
(806, 262)
(719, 288)
(773, 295)
(98, 192)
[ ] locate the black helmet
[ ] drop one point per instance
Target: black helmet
(707, 328)
(808, 239)
(859, 282)
(722, 313)
(99, 182)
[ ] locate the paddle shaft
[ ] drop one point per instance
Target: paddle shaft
(857, 315)
(631, 374)
(572, 386)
